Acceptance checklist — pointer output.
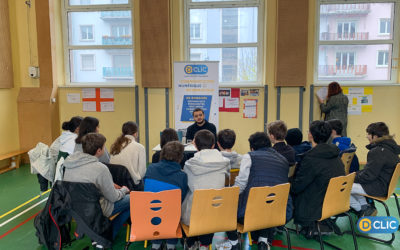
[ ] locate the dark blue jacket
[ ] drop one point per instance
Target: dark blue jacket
(165, 175)
(301, 149)
(287, 151)
(342, 142)
(268, 168)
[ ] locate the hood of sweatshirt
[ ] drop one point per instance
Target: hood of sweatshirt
(342, 142)
(207, 161)
(79, 159)
(324, 151)
(234, 158)
(67, 136)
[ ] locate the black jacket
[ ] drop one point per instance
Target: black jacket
(382, 159)
(122, 177)
(69, 200)
(318, 166)
(287, 151)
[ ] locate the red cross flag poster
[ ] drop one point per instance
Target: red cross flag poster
(229, 99)
(98, 99)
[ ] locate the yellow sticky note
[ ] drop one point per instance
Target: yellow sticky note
(366, 108)
(368, 91)
(354, 101)
(345, 90)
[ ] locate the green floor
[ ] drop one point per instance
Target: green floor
(19, 186)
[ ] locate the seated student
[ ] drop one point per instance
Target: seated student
(168, 135)
(262, 166)
(318, 166)
(277, 132)
(374, 179)
(294, 138)
(127, 152)
(90, 125)
(225, 140)
(63, 146)
(343, 142)
(206, 170)
(167, 175)
(85, 167)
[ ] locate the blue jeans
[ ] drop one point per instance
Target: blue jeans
(123, 208)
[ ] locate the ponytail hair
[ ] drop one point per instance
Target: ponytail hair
(73, 124)
(88, 125)
(129, 128)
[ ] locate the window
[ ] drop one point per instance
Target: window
(91, 51)
(383, 58)
(350, 48)
(229, 32)
(384, 26)
(86, 32)
(87, 62)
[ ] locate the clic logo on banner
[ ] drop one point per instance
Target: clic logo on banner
(378, 224)
(200, 69)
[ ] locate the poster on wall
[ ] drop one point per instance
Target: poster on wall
(360, 100)
(97, 100)
(195, 86)
(229, 99)
(250, 108)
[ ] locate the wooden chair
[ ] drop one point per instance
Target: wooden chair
(346, 159)
(292, 170)
(392, 186)
(213, 210)
(155, 216)
(337, 202)
(230, 181)
(266, 208)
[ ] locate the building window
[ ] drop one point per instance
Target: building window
(87, 62)
(86, 32)
(90, 49)
(349, 40)
(383, 58)
(384, 26)
(229, 32)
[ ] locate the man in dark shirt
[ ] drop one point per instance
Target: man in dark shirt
(200, 124)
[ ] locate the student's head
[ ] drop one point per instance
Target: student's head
(294, 137)
(277, 130)
(334, 89)
(198, 115)
(259, 140)
(168, 135)
(128, 128)
(88, 125)
(73, 124)
(337, 127)
(204, 139)
(172, 151)
(93, 144)
(320, 131)
(376, 130)
(226, 139)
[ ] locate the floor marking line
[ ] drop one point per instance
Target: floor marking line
(23, 204)
(21, 213)
(17, 226)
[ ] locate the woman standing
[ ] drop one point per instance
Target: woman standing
(127, 152)
(336, 105)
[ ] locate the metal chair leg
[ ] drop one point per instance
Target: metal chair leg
(320, 236)
(288, 238)
(397, 203)
(352, 230)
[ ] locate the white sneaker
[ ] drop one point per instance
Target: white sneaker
(226, 245)
(204, 248)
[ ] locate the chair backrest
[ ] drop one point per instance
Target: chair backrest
(337, 196)
(214, 210)
(155, 215)
(393, 181)
(266, 207)
(230, 180)
(292, 169)
(346, 159)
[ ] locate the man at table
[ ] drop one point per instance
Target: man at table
(200, 124)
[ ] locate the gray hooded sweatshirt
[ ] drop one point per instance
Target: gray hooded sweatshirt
(105, 158)
(234, 158)
(206, 170)
(81, 167)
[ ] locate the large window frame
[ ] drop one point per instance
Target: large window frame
(188, 5)
(66, 8)
(394, 42)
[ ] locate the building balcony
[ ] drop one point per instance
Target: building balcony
(117, 40)
(342, 71)
(335, 9)
(112, 15)
(326, 36)
(117, 73)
